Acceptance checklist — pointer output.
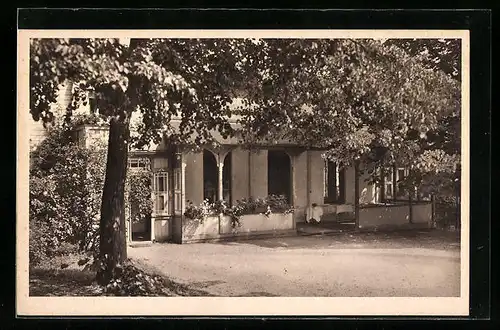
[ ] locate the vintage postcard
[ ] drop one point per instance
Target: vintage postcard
(243, 172)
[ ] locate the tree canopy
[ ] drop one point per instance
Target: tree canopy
(191, 79)
(155, 78)
(438, 54)
(358, 99)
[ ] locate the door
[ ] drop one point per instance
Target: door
(278, 174)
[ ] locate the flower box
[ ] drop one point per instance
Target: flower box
(197, 229)
(259, 222)
(213, 227)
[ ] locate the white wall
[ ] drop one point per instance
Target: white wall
(161, 229)
(194, 177)
(349, 185)
(380, 216)
(422, 213)
(258, 176)
(300, 201)
(317, 177)
(239, 174)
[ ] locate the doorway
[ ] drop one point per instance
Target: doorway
(278, 174)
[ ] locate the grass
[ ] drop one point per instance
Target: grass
(49, 279)
(63, 282)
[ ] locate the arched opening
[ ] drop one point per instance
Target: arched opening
(278, 174)
(210, 174)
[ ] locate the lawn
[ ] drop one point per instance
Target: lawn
(49, 279)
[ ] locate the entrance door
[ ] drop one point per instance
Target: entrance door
(278, 174)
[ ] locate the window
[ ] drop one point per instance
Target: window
(161, 191)
(334, 183)
(80, 137)
(401, 173)
(392, 184)
(135, 163)
(177, 190)
(388, 183)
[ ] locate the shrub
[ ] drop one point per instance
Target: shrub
(199, 212)
(65, 249)
(446, 211)
(47, 231)
(66, 183)
(132, 281)
(278, 204)
(41, 242)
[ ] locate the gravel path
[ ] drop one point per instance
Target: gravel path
(422, 264)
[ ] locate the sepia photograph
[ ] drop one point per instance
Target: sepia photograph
(244, 166)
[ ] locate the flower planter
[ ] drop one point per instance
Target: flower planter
(213, 228)
(258, 223)
(196, 229)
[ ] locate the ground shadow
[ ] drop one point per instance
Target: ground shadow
(64, 282)
(180, 289)
(44, 282)
(428, 238)
(258, 294)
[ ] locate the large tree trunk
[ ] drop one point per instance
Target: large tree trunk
(113, 245)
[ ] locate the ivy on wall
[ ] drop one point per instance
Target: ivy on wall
(138, 192)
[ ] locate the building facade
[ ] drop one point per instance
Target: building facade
(317, 189)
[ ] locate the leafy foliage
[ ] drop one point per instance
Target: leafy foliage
(360, 100)
(132, 281)
(376, 102)
(139, 192)
(156, 77)
(200, 212)
(65, 192)
(437, 54)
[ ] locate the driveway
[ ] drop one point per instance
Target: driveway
(357, 265)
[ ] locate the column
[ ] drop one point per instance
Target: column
(308, 167)
(356, 194)
(250, 152)
(292, 180)
(220, 185)
(153, 196)
(183, 184)
(220, 165)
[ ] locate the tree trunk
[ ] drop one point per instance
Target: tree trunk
(113, 245)
(356, 194)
